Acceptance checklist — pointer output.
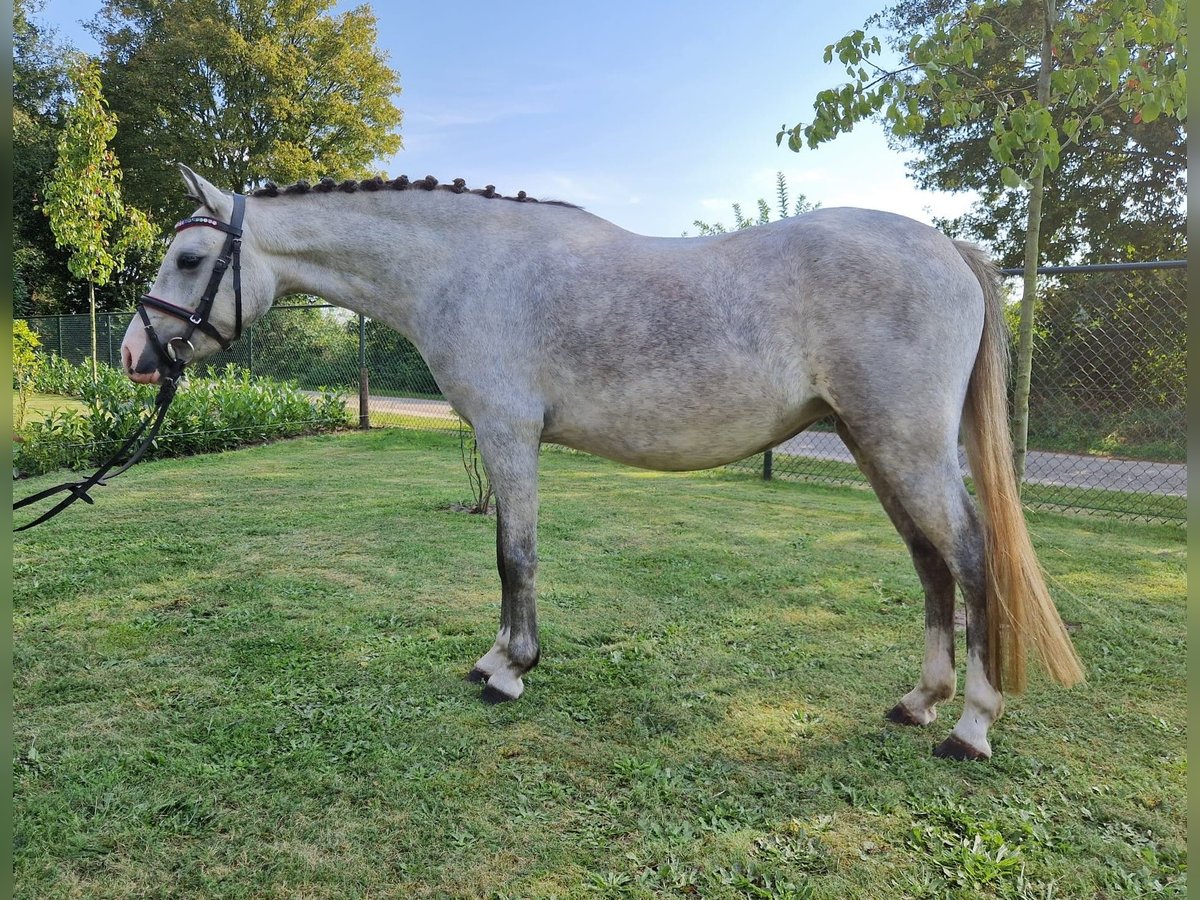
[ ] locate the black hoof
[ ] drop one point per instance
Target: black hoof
(475, 676)
(901, 716)
(953, 748)
(491, 696)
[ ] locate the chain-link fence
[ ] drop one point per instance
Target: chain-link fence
(1107, 410)
(1107, 406)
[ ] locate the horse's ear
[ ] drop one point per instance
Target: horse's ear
(205, 193)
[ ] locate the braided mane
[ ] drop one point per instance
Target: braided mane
(428, 183)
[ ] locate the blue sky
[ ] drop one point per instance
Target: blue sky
(650, 114)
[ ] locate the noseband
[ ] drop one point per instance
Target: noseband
(178, 351)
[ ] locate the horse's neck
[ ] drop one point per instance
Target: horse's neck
(386, 257)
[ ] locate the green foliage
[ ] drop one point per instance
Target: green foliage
(246, 90)
(311, 347)
(25, 358)
(784, 207)
(83, 197)
(61, 439)
(219, 412)
(1123, 54)
(1124, 332)
(25, 364)
(41, 280)
(396, 365)
(56, 375)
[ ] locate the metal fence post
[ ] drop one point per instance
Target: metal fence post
(768, 463)
(250, 343)
(364, 391)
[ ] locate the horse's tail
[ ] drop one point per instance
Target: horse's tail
(1020, 610)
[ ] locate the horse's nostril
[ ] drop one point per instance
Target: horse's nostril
(127, 360)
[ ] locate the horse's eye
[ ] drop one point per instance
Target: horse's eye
(189, 260)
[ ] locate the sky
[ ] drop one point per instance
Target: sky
(650, 114)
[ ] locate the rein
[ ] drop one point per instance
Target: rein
(173, 357)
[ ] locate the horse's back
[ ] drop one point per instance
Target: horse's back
(690, 353)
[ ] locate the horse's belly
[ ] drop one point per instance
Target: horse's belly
(679, 440)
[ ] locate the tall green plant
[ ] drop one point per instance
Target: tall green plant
(1087, 60)
(785, 208)
(83, 197)
(25, 365)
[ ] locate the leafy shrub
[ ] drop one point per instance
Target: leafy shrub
(219, 412)
(25, 365)
(59, 440)
(57, 375)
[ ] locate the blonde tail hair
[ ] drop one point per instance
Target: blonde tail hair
(1020, 609)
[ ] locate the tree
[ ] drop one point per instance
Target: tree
(1118, 191)
(243, 91)
(83, 197)
(41, 281)
(1098, 59)
(783, 207)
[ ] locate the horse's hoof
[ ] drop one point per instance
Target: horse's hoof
(491, 696)
(901, 716)
(475, 676)
(955, 748)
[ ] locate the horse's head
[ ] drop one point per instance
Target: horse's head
(205, 292)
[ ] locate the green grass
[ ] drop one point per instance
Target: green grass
(241, 676)
(41, 404)
(380, 419)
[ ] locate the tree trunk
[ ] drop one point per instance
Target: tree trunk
(1024, 371)
(92, 308)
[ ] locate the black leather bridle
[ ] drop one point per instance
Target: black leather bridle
(173, 356)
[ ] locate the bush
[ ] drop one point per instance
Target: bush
(25, 365)
(219, 412)
(57, 375)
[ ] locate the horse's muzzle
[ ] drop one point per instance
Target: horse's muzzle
(146, 369)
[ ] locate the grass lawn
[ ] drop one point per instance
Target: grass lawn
(40, 404)
(242, 676)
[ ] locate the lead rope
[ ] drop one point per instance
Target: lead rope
(79, 489)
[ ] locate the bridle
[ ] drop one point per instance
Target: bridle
(178, 351)
(173, 356)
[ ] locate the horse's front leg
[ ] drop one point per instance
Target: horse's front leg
(511, 458)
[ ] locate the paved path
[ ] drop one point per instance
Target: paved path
(1060, 469)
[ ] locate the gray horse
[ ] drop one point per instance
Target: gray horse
(542, 322)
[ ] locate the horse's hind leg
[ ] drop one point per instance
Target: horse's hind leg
(919, 468)
(938, 680)
(511, 457)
